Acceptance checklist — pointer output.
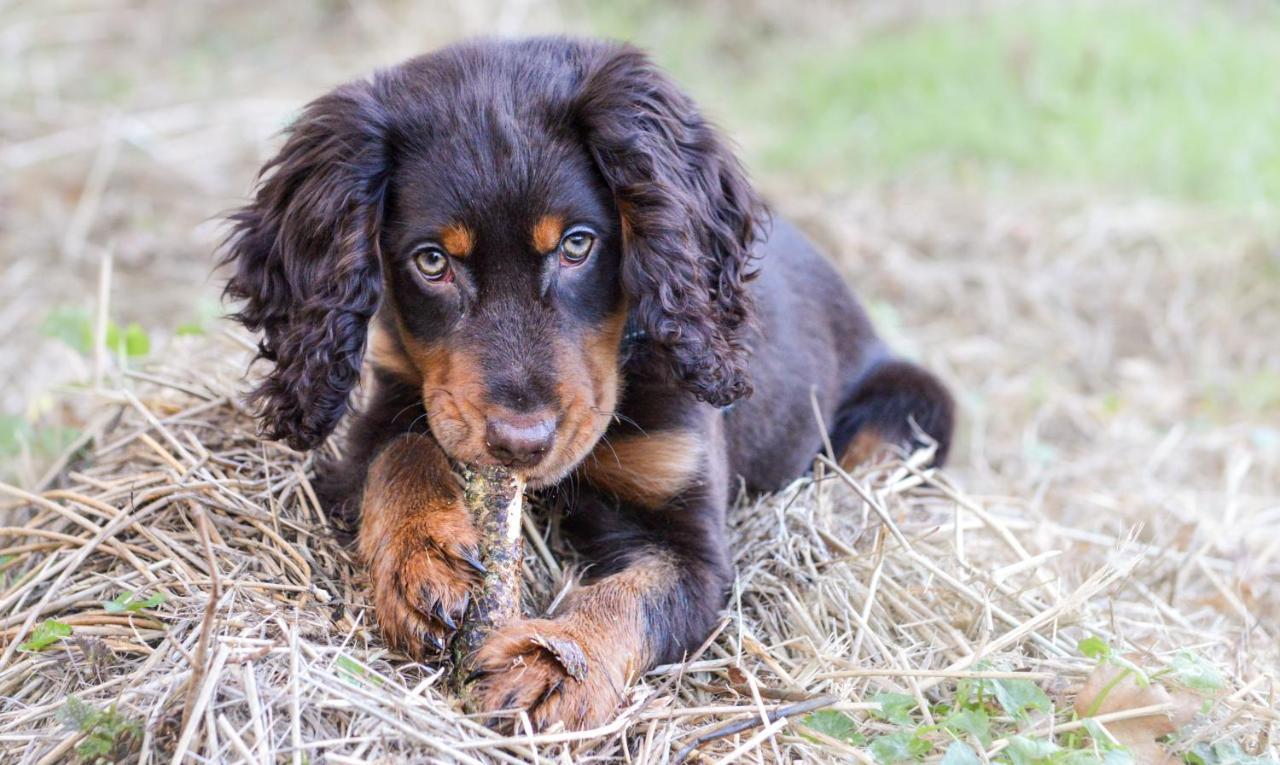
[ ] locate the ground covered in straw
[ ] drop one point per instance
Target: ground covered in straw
(174, 591)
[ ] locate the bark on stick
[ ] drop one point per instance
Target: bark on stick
(495, 499)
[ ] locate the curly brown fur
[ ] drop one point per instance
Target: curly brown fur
(690, 220)
(305, 254)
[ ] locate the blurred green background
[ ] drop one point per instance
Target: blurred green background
(1167, 98)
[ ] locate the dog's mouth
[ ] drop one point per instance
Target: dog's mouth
(539, 447)
(542, 433)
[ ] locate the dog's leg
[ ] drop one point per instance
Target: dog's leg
(419, 544)
(393, 408)
(885, 408)
(658, 576)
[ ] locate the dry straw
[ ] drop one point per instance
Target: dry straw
(263, 648)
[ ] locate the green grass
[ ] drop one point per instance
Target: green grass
(1132, 96)
(1011, 712)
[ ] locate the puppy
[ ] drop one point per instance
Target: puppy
(550, 260)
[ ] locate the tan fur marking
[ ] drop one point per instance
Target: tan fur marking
(864, 446)
(605, 620)
(413, 530)
(386, 352)
(610, 611)
(588, 386)
(547, 232)
(453, 394)
(647, 469)
(457, 240)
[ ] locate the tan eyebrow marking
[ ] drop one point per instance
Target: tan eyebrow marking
(457, 240)
(547, 232)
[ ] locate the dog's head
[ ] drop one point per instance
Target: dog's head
(506, 209)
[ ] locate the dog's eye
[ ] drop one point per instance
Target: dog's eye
(576, 246)
(432, 262)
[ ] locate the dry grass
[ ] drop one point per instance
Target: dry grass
(890, 580)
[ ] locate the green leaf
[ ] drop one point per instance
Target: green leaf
(1030, 751)
(46, 634)
(1196, 673)
(118, 604)
(113, 341)
(1077, 757)
(974, 722)
(132, 603)
(837, 725)
(189, 329)
(70, 325)
(1094, 647)
(969, 693)
(136, 342)
(1118, 755)
(895, 707)
(1018, 697)
(14, 432)
(76, 714)
(1200, 755)
(109, 735)
(903, 746)
(355, 672)
(1224, 753)
(75, 327)
(1139, 674)
(960, 753)
(1106, 754)
(350, 666)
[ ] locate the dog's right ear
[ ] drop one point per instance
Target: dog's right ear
(306, 265)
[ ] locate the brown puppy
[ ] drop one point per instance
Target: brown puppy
(553, 262)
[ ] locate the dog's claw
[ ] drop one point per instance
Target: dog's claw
(443, 616)
(472, 557)
(551, 690)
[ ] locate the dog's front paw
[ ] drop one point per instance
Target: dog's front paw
(544, 668)
(423, 570)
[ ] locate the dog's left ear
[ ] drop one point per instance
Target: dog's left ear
(690, 218)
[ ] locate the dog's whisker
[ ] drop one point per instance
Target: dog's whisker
(619, 417)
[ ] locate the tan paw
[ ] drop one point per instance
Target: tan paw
(540, 666)
(423, 570)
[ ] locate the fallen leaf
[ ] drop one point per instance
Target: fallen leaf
(1110, 689)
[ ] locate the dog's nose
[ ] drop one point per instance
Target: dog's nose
(519, 440)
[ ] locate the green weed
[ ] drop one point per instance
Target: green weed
(109, 735)
(45, 634)
(132, 603)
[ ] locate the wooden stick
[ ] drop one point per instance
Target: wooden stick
(495, 499)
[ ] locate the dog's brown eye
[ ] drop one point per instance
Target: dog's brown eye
(432, 262)
(576, 246)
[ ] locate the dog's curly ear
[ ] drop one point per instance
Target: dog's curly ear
(690, 218)
(305, 259)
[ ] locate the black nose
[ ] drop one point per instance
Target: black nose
(519, 440)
